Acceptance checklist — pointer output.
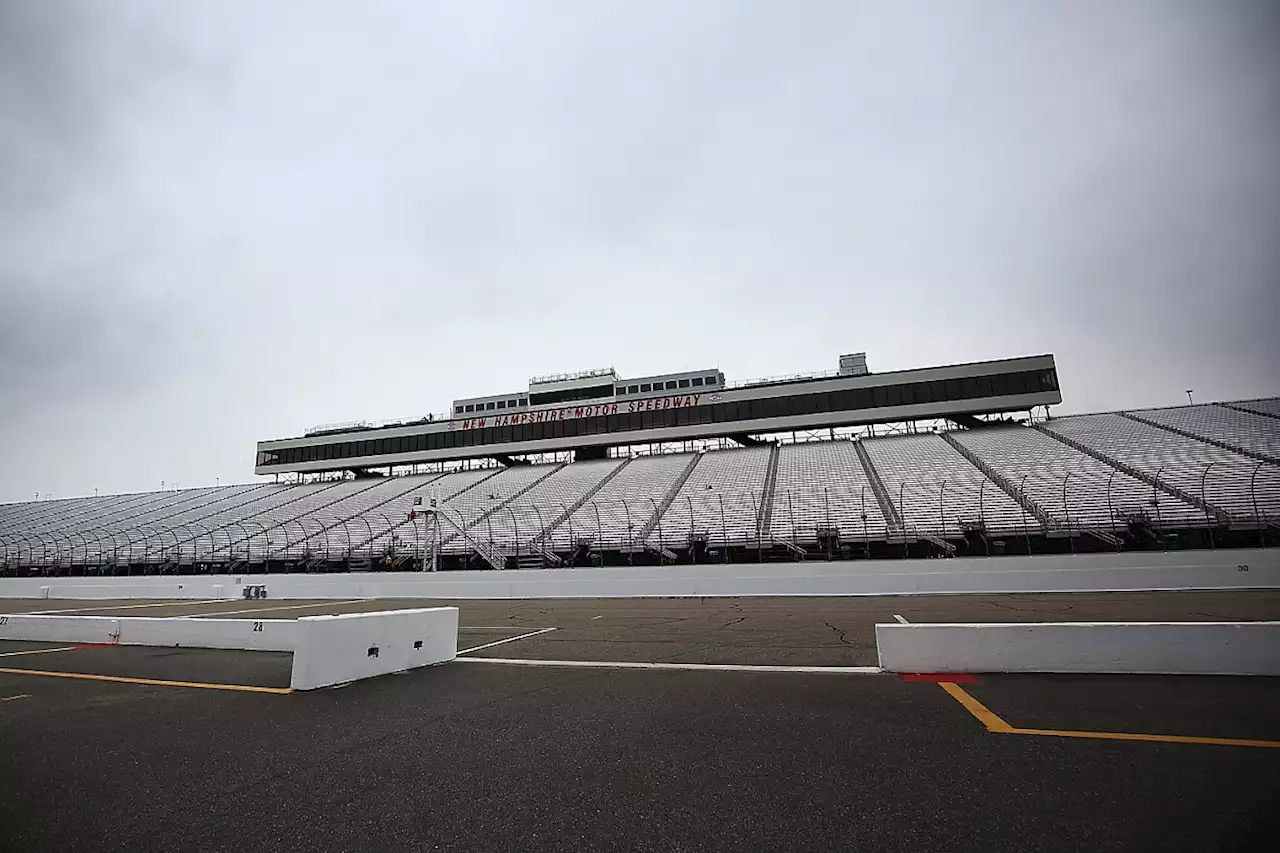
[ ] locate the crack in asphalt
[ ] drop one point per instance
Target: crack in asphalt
(1066, 608)
(838, 631)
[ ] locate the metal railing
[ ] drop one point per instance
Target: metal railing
(1081, 511)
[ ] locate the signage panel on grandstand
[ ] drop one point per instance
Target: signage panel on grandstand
(588, 411)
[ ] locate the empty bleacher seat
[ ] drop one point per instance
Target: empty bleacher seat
(721, 499)
(937, 491)
(823, 485)
(1238, 485)
(1076, 490)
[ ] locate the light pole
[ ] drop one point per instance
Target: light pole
(1189, 400)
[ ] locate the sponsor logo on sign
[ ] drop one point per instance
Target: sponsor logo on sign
(653, 404)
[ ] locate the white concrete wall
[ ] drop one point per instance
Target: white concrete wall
(1085, 573)
(1175, 648)
(337, 649)
(257, 635)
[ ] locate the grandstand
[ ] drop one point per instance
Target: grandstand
(896, 477)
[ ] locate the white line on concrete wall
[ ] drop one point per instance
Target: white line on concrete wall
(902, 620)
(712, 667)
(281, 607)
(508, 640)
(172, 603)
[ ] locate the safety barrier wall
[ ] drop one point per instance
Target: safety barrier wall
(1234, 569)
(326, 650)
(1168, 648)
(337, 649)
(278, 635)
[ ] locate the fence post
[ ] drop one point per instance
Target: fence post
(84, 543)
(515, 525)
(368, 542)
(1066, 509)
(724, 530)
(792, 513)
(1111, 510)
(1204, 500)
(1257, 518)
(658, 519)
(942, 512)
(902, 514)
(1022, 501)
(631, 533)
(599, 530)
(1155, 499)
(692, 551)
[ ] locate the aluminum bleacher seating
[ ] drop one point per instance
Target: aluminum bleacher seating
(332, 529)
(478, 509)
(1266, 406)
(538, 508)
(721, 499)
(938, 491)
(1255, 433)
(151, 530)
(823, 485)
(253, 535)
(398, 533)
(617, 514)
(1075, 489)
(1242, 487)
(1169, 465)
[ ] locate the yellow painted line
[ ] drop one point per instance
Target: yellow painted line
(984, 714)
(1212, 741)
(37, 652)
(995, 724)
(11, 698)
(120, 679)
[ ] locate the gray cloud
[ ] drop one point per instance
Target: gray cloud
(239, 220)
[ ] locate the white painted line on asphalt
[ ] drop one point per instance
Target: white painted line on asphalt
(594, 618)
(508, 640)
(11, 698)
(175, 603)
(37, 651)
(281, 607)
(712, 667)
(901, 619)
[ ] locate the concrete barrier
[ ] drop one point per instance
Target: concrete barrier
(326, 650)
(337, 649)
(253, 635)
(1165, 648)
(1163, 570)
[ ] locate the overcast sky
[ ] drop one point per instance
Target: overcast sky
(224, 222)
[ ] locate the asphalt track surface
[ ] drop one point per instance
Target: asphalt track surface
(473, 755)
